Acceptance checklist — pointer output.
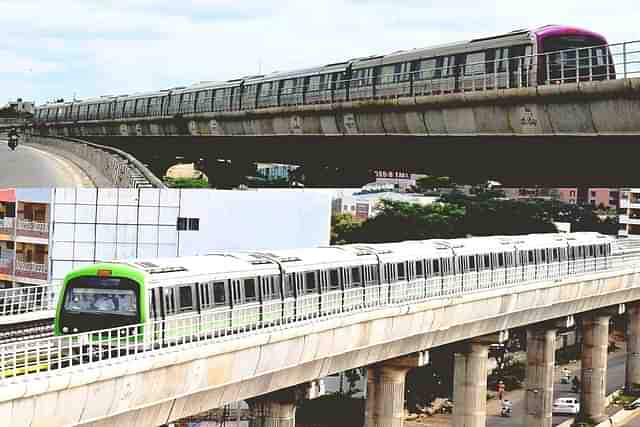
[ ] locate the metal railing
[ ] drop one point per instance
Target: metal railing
(28, 299)
(6, 222)
(31, 267)
(429, 76)
(28, 225)
(26, 360)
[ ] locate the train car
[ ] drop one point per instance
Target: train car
(527, 57)
(232, 291)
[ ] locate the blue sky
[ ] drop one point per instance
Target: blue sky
(59, 48)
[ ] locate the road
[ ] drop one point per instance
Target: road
(31, 167)
(615, 380)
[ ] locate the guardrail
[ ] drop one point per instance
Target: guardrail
(28, 299)
(120, 168)
(23, 361)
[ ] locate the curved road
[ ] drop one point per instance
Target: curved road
(32, 167)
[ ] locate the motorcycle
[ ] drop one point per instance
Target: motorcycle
(13, 142)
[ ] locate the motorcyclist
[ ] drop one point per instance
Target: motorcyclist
(13, 138)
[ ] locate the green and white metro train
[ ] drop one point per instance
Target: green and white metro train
(244, 289)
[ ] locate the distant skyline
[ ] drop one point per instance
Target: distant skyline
(90, 48)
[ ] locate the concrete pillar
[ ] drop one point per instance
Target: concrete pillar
(470, 386)
(595, 340)
(385, 390)
(541, 356)
(277, 409)
(632, 377)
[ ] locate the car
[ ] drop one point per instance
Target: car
(566, 405)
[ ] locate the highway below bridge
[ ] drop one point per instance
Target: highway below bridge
(29, 166)
(551, 160)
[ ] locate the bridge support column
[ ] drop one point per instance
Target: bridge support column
(632, 374)
(385, 390)
(539, 376)
(277, 409)
(595, 333)
(470, 385)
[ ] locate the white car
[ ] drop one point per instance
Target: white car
(566, 405)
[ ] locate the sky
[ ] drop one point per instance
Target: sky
(84, 48)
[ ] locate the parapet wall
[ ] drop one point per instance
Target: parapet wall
(120, 169)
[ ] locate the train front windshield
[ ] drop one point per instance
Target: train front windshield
(92, 303)
(577, 55)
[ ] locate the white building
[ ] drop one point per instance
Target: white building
(89, 225)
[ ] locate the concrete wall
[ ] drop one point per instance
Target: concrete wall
(154, 390)
(601, 107)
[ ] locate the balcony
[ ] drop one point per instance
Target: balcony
(28, 228)
(31, 270)
(6, 225)
(6, 265)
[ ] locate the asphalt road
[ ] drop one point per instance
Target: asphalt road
(31, 167)
(615, 380)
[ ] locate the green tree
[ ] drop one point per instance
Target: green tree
(344, 229)
(398, 221)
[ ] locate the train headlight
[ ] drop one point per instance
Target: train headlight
(65, 330)
(75, 330)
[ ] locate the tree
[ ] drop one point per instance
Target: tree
(398, 221)
(344, 229)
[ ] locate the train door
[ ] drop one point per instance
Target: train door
(235, 287)
(517, 67)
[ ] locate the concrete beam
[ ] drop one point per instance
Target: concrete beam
(277, 409)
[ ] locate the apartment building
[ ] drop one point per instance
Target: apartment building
(45, 233)
(24, 237)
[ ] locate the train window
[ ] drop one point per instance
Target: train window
(186, 104)
(203, 103)
(419, 269)
(289, 285)
(472, 263)
(500, 260)
(219, 293)
(250, 293)
(591, 252)
(271, 288)
(475, 64)
(402, 271)
(186, 298)
(310, 282)
(436, 266)
(554, 254)
(169, 301)
(356, 276)
(543, 255)
(531, 257)
(155, 106)
(174, 104)
(334, 279)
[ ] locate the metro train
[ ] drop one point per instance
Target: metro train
(526, 57)
(242, 289)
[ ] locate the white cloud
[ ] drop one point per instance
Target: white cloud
(92, 47)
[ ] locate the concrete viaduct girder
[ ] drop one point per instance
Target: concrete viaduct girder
(153, 390)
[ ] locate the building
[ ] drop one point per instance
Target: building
(630, 219)
(20, 106)
(365, 205)
(608, 198)
(24, 237)
(45, 233)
